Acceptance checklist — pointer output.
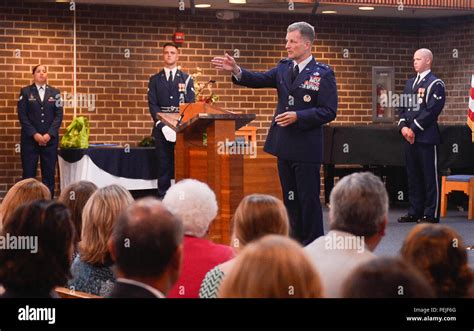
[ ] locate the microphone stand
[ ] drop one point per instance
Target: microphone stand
(182, 115)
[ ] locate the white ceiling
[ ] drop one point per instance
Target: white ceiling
(300, 6)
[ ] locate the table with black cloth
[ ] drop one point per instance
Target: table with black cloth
(379, 148)
(134, 167)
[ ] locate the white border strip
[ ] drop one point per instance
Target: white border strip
(418, 125)
(436, 178)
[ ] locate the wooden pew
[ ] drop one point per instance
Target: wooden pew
(66, 293)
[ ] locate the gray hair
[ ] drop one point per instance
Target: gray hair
(306, 30)
(358, 204)
(194, 203)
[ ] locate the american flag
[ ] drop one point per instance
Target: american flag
(470, 115)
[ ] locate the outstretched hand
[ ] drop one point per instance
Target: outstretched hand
(226, 63)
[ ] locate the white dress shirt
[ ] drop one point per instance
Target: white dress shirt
(422, 75)
(335, 263)
(303, 63)
(167, 72)
(41, 90)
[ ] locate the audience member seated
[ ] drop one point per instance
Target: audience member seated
(92, 268)
(146, 246)
(256, 216)
(272, 267)
(24, 191)
(195, 204)
(358, 216)
(440, 254)
(75, 196)
(386, 277)
(43, 262)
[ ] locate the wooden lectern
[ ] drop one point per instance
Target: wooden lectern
(200, 153)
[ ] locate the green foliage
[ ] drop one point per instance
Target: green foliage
(77, 134)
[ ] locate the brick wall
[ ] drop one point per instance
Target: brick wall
(43, 33)
(452, 42)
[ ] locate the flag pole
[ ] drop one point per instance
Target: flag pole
(75, 64)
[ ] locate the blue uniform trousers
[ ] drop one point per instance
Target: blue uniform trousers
(423, 188)
(48, 155)
(300, 182)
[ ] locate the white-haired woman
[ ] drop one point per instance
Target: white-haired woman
(195, 204)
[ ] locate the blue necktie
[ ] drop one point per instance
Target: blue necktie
(296, 71)
(416, 81)
(170, 79)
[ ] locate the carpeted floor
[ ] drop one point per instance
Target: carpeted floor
(396, 232)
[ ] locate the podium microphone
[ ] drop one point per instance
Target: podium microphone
(182, 115)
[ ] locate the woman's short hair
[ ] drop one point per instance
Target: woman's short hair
(194, 203)
(272, 267)
(75, 196)
(48, 226)
(440, 254)
(256, 216)
(98, 218)
(386, 277)
(25, 190)
(33, 70)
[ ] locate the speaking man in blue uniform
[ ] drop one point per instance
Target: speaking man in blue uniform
(166, 91)
(40, 113)
(419, 126)
(307, 99)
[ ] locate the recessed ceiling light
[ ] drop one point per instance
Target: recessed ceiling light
(367, 8)
(238, 1)
(203, 5)
(329, 12)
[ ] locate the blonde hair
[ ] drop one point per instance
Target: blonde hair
(256, 216)
(98, 218)
(26, 190)
(272, 267)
